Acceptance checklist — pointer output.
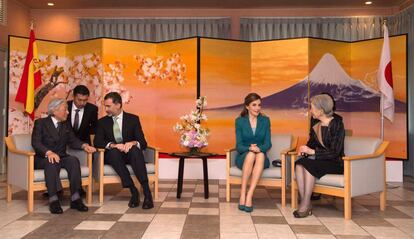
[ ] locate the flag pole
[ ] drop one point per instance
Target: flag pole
(28, 116)
(384, 23)
(382, 117)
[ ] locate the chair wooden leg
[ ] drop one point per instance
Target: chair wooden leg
(283, 194)
(9, 192)
(228, 191)
(156, 189)
(347, 207)
(93, 185)
(89, 193)
(294, 194)
(30, 200)
(383, 200)
(101, 191)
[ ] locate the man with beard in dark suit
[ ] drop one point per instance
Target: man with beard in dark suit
(50, 137)
(120, 133)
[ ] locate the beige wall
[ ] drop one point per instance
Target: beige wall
(18, 22)
(63, 25)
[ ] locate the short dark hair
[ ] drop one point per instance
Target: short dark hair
(81, 90)
(115, 96)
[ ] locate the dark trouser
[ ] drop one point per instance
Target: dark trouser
(52, 171)
(118, 160)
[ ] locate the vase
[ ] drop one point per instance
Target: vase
(194, 150)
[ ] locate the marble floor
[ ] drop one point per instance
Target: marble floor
(192, 216)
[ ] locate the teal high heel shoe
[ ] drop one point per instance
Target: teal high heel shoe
(248, 209)
(241, 207)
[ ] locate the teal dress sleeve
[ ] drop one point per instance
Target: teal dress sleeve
(267, 144)
(241, 147)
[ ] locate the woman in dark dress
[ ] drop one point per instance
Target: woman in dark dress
(323, 152)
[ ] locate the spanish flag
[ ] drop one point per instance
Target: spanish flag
(31, 78)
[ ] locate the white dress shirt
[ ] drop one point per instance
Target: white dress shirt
(55, 121)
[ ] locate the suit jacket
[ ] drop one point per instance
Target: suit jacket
(333, 140)
(88, 124)
(131, 131)
(46, 137)
(245, 136)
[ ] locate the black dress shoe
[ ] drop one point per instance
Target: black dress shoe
(55, 208)
(78, 205)
(134, 201)
(148, 204)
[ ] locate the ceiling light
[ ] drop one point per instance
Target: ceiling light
(368, 3)
(51, 4)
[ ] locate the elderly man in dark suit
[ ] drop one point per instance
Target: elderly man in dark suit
(120, 133)
(83, 115)
(50, 137)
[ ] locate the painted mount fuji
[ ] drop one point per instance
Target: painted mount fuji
(328, 76)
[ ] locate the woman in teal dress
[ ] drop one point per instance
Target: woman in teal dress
(252, 143)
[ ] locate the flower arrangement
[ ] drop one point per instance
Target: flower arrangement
(193, 135)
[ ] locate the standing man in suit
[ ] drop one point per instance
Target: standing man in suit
(120, 133)
(83, 115)
(50, 137)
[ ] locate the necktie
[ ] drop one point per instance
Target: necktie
(117, 131)
(76, 121)
(59, 127)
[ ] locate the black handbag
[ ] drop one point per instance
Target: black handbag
(277, 163)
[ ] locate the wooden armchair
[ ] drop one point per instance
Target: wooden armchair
(364, 173)
(272, 176)
(21, 172)
(104, 174)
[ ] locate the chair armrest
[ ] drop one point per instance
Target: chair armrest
(12, 148)
(20, 168)
(98, 164)
(228, 157)
(156, 161)
(21, 152)
(381, 149)
(366, 173)
(287, 151)
(292, 148)
(150, 154)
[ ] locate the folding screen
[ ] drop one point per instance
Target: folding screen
(159, 82)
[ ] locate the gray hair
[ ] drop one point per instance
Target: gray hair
(323, 102)
(54, 104)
